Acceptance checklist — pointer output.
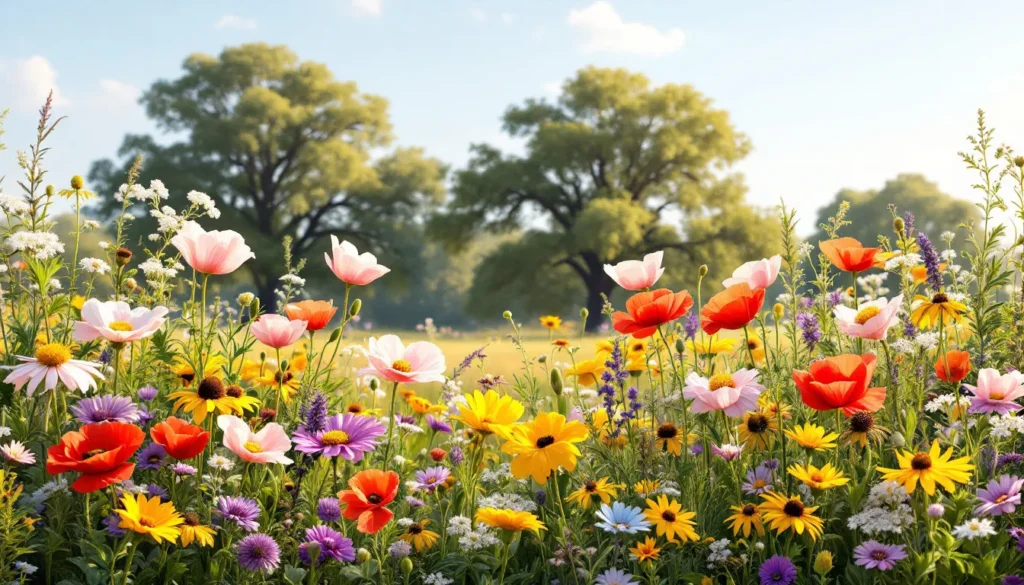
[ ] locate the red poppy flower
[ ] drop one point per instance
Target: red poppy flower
(317, 314)
(180, 439)
(848, 254)
(731, 309)
(958, 364)
(100, 452)
(840, 382)
(649, 310)
(371, 491)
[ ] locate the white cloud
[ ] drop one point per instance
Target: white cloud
(233, 21)
(553, 87)
(25, 83)
(367, 7)
(606, 32)
(508, 17)
(119, 94)
(477, 14)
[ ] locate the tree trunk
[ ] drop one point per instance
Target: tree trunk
(597, 285)
(265, 292)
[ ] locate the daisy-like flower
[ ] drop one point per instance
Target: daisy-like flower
(592, 492)
(707, 345)
(999, 496)
(671, 520)
(669, 438)
(551, 322)
(542, 445)
(333, 546)
(417, 535)
(151, 456)
(622, 519)
(784, 512)
(939, 310)
(587, 372)
(759, 481)
(98, 409)
(646, 550)
(733, 393)
(875, 555)
(744, 519)
(929, 469)
(259, 552)
(208, 396)
(269, 445)
(778, 570)
(328, 510)
(348, 436)
(861, 429)
(117, 322)
(813, 437)
(615, 577)
(758, 430)
(510, 520)
(816, 478)
(238, 510)
(727, 451)
(151, 517)
(192, 530)
(871, 321)
(391, 360)
(974, 528)
(428, 480)
(995, 393)
(16, 452)
(52, 363)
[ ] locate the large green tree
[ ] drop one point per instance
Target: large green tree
(285, 149)
(934, 211)
(614, 168)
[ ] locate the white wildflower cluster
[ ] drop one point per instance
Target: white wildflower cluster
(94, 266)
(40, 245)
(903, 262)
(886, 510)
(806, 249)
(948, 255)
(507, 502)
(90, 225)
(5, 431)
(158, 271)
(873, 285)
(167, 219)
(927, 340)
(12, 205)
(45, 491)
(26, 568)
(497, 475)
(669, 488)
(459, 525)
(294, 280)
(135, 192)
(957, 296)
(945, 402)
(437, 579)
(718, 553)
(481, 537)
(157, 190)
(55, 284)
(221, 463)
(400, 549)
(974, 528)
(1006, 425)
(204, 202)
(405, 522)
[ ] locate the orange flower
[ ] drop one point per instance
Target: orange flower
(953, 367)
(848, 254)
(371, 491)
(731, 309)
(649, 310)
(840, 382)
(180, 439)
(99, 452)
(317, 314)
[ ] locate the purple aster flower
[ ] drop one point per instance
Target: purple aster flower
(1009, 459)
(931, 261)
(407, 419)
(875, 555)
(1018, 534)
(259, 552)
(438, 426)
(615, 577)
(833, 298)
(759, 481)
(414, 502)
(999, 496)
(347, 435)
(104, 408)
(242, 511)
(145, 416)
(155, 491)
(152, 456)
(455, 455)
(112, 524)
(328, 510)
(696, 449)
(428, 479)
(772, 464)
(778, 570)
(806, 303)
(333, 546)
(183, 469)
(147, 393)
(1012, 580)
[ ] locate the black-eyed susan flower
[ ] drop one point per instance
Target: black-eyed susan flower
(813, 437)
(784, 512)
(929, 469)
(936, 311)
(551, 322)
(192, 530)
(542, 445)
(861, 429)
(757, 431)
(645, 487)
(418, 535)
(186, 373)
(819, 478)
(594, 491)
(671, 520)
(209, 395)
(587, 372)
(509, 520)
(744, 519)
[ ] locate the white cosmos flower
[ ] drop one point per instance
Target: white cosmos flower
(53, 363)
(117, 322)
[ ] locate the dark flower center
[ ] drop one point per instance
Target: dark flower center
(94, 453)
(749, 510)
(862, 422)
(757, 423)
(793, 508)
(374, 498)
(191, 518)
(187, 377)
(234, 391)
(940, 298)
(545, 441)
(921, 462)
(415, 529)
(211, 389)
(668, 516)
(590, 486)
(667, 431)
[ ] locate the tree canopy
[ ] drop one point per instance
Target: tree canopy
(285, 149)
(614, 168)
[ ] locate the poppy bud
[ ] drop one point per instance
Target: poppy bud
(507, 315)
(254, 307)
(584, 313)
(406, 566)
(374, 384)
(438, 454)
(335, 335)
(284, 365)
(49, 190)
(363, 555)
(77, 182)
(898, 225)
(680, 347)
(702, 271)
(542, 359)
(557, 383)
(263, 356)
(122, 256)
(354, 308)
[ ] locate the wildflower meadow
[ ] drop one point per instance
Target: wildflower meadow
(861, 427)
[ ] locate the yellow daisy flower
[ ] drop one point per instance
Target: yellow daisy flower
(816, 478)
(813, 437)
(711, 345)
(757, 431)
(646, 550)
(509, 520)
(784, 512)
(745, 518)
(149, 516)
(671, 520)
(937, 310)
(595, 491)
(929, 469)
(542, 445)
(208, 396)
(485, 413)
(588, 372)
(192, 530)
(551, 322)
(418, 535)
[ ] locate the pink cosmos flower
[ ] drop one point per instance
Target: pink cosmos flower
(757, 274)
(637, 275)
(117, 322)
(421, 362)
(727, 451)
(872, 321)
(996, 393)
(216, 252)
(16, 452)
(352, 267)
(277, 331)
(267, 446)
(734, 393)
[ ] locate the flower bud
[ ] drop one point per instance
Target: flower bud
(129, 284)
(254, 307)
(1018, 161)
(778, 309)
(406, 566)
(363, 555)
(898, 225)
(312, 549)
(936, 511)
(897, 439)
(335, 335)
(374, 384)
(507, 315)
(438, 454)
(284, 365)
(702, 271)
(542, 359)
(584, 313)
(355, 307)
(245, 299)
(49, 190)
(263, 356)
(823, 563)
(680, 346)
(557, 384)
(122, 256)
(1020, 241)
(77, 182)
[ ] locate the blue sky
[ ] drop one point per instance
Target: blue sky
(844, 95)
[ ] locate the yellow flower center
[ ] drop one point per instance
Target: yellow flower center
(866, 314)
(402, 366)
(1001, 499)
(120, 326)
(53, 355)
(721, 381)
(148, 523)
(334, 438)
(253, 447)
(94, 453)
(996, 395)
(817, 477)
